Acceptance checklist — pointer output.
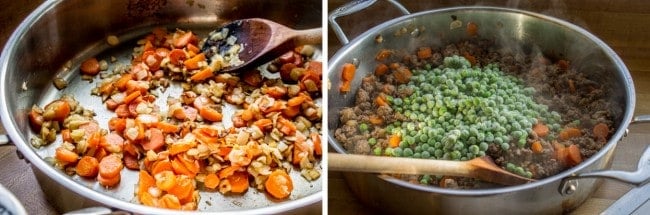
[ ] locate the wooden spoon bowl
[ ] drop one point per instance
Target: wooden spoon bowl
(261, 39)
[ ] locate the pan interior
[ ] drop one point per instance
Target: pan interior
(55, 39)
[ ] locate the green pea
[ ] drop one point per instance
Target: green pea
(407, 152)
(425, 154)
(363, 127)
(372, 141)
(505, 146)
(397, 151)
(377, 151)
(455, 155)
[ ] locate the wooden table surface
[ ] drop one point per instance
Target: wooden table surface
(621, 24)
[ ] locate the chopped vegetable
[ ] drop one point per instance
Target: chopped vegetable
(175, 147)
(279, 184)
(90, 66)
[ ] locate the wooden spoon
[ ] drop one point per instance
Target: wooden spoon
(482, 167)
(262, 40)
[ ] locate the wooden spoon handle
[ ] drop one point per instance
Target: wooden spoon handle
(379, 164)
(309, 36)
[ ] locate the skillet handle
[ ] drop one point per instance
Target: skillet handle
(353, 7)
(639, 177)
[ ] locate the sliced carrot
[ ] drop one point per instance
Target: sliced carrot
(165, 180)
(381, 69)
(424, 53)
(286, 126)
(176, 56)
(210, 114)
(541, 130)
(162, 52)
(193, 63)
(192, 48)
(180, 147)
(601, 131)
(155, 139)
(108, 181)
(147, 199)
(569, 133)
(573, 155)
(238, 182)
(291, 111)
(110, 166)
(183, 189)
(277, 106)
(179, 168)
(224, 151)
(211, 181)
(131, 161)
(318, 148)
(111, 104)
(264, 124)
(142, 86)
(170, 202)
(228, 171)
(560, 152)
(100, 153)
(87, 166)
(161, 165)
(316, 67)
(65, 135)
(57, 110)
(190, 164)
(120, 84)
(106, 88)
(247, 115)
(296, 101)
(90, 66)
(94, 140)
(202, 75)
(122, 111)
(472, 29)
(393, 140)
(183, 40)
(380, 101)
(204, 138)
(276, 92)
(152, 60)
(36, 120)
(279, 184)
(145, 181)
(117, 124)
(376, 120)
(113, 142)
(348, 71)
(300, 149)
(167, 127)
(132, 96)
(536, 147)
(66, 156)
